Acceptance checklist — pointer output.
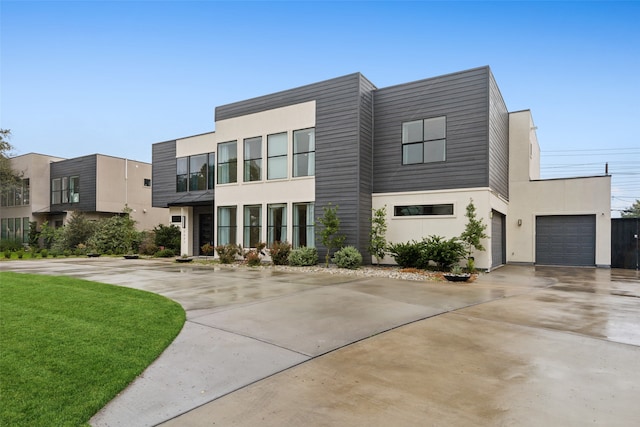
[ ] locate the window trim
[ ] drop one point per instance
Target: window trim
(422, 142)
(396, 209)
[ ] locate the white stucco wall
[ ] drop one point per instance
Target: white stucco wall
(530, 197)
(404, 229)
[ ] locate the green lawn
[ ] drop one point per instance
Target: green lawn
(68, 346)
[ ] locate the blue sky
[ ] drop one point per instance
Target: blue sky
(114, 77)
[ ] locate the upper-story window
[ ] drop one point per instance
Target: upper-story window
(253, 159)
(16, 195)
(304, 152)
(424, 141)
(423, 210)
(194, 173)
(147, 182)
(227, 162)
(65, 190)
(277, 156)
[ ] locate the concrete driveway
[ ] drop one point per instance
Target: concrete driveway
(520, 346)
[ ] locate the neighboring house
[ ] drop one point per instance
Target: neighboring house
(422, 149)
(97, 185)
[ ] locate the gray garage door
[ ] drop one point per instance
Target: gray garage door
(566, 240)
(497, 240)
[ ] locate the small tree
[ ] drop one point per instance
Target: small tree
(472, 234)
(633, 211)
(329, 234)
(377, 239)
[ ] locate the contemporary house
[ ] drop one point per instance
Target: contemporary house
(423, 150)
(97, 185)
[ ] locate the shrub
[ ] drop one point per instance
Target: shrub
(7, 254)
(303, 256)
(329, 229)
(348, 257)
(279, 252)
(165, 253)
(253, 258)
(66, 253)
(167, 236)
(44, 253)
(147, 244)
(227, 253)
(207, 249)
(407, 255)
(377, 238)
(444, 253)
(10, 245)
(20, 254)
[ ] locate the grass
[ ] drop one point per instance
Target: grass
(68, 346)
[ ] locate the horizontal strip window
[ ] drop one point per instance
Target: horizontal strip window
(423, 210)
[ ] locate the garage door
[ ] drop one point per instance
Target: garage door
(497, 240)
(566, 240)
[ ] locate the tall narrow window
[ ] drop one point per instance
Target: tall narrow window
(277, 156)
(276, 223)
(212, 168)
(65, 189)
(198, 172)
(303, 225)
(74, 189)
(26, 191)
(424, 141)
(227, 162)
(56, 187)
(18, 194)
(4, 228)
(253, 159)
(227, 225)
(304, 152)
(182, 170)
(252, 225)
(25, 229)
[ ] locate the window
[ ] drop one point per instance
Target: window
(227, 162)
(147, 182)
(74, 189)
(423, 210)
(424, 141)
(253, 159)
(25, 229)
(198, 172)
(303, 225)
(227, 225)
(56, 191)
(182, 168)
(212, 173)
(26, 191)
(304, 152)
(65, 189)
(276, 223)
(252, 225)
(277, 156)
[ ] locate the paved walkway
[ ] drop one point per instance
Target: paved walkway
(520, 346)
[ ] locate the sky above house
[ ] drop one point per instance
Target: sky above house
(114, 77)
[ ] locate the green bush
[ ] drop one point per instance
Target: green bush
(167, 236)
(444, 253)
(253, 258)
(227, 253)
(20, 254)
(408, 255)
(348, 257)
(279, 252)
(303, 256)
(10, 245)
(44, 253)
(147, 243)
(165, 253)
(7, 254)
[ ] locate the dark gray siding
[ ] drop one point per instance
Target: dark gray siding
(461, 97)
(343, 137)
(86, 169)
(498, 141)
(163, 173)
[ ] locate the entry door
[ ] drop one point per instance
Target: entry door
(206, 230)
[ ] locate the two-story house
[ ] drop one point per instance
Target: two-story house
(422, 149)
(97, 185)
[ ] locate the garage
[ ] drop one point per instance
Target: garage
(566, 240)
(498, 253)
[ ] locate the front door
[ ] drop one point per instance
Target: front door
(206, 231)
